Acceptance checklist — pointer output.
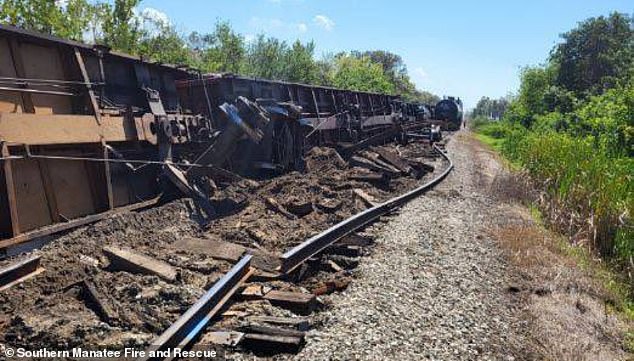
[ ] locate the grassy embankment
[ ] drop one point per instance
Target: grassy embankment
(588, 198)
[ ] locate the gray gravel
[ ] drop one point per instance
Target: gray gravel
(434, 286)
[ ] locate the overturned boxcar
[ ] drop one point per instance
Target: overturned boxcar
(69, 113)
(85, 131)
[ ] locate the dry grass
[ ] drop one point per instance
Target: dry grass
(568, 308)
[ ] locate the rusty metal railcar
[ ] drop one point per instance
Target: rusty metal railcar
(64, 105)
(85, 131)
(333, 112)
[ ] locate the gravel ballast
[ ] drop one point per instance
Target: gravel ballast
(434, 287)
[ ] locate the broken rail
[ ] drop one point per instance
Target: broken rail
(302, 252)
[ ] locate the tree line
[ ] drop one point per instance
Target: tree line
(571, 127)
(489, 108)
(122, 27)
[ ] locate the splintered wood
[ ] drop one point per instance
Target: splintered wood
(133, 262)
(300, 303)
(20, 272)
(367, 199)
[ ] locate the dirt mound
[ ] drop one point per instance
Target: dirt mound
(52, 310)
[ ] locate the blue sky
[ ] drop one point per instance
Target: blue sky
(462, 48)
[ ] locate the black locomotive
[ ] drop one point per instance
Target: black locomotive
(450, 111)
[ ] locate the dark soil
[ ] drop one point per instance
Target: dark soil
(50, 309)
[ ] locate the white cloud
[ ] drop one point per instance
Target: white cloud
(302, 27)
(421, 72)
(324, 22)
(156, 16)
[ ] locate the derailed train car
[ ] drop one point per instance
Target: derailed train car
(85, 131)
(67, 113)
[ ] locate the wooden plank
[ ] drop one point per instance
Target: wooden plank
(300, 323)
(301, 303)
(133, 262)
(254, 292)
(357, 161)
(271, 343)
(377, 159)
(421, 166)
(23, 279)
(394, 159)
(366, 198)
(335, 267)
(225, 338)
(95, 301)
(275, 206)
(300, 208)
(339, 282)
(267, 330)
(372, 178)
(342, 250)
(19, 271)
(264, 261)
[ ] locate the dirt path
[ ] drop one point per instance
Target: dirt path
(452, 277)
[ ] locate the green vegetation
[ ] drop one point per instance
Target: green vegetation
(490, 108)
(120, 25)
(571, 126)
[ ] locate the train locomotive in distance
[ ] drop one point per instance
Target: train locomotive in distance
(449, 110)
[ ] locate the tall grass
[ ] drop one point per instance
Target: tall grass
(589, 192)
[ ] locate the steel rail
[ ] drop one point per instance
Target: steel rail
(182, 332)
(312, 246)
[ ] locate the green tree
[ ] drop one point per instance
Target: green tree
(301, 66)
(395, 69)
(361, 74)
(122, 30)
(534, 85)
(48, 16)
(595, 55)
(325, 70)
(265, 58)
(490, 108)
(163, 44)
(221, 51)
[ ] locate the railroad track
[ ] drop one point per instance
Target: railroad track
(248, 279)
